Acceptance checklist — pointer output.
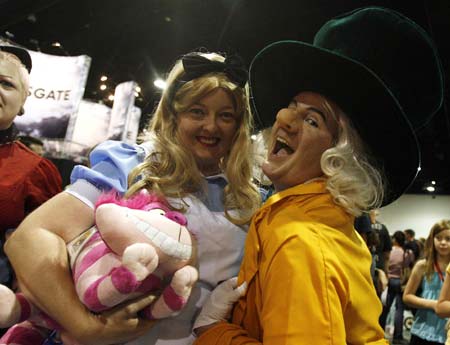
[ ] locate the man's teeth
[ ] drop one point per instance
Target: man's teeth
(281, 140)
(282, 147)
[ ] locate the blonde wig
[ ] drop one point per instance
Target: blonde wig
(430, 250)
(353, 181)
(24, 78)
(172, 171)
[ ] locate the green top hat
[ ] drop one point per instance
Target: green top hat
(379, 66)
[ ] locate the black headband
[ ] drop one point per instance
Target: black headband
(196, 65)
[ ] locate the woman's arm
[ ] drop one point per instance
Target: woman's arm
(442, 308)
(37, 251)
(414, 281)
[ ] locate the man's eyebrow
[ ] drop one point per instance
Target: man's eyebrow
(318, 111)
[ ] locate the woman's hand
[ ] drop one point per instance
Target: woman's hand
(117, 325)
(442, 307)
(219, 304)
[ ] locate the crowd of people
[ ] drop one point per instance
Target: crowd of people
(282, 265)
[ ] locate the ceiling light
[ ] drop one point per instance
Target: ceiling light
(111, 97)
(138, 88)
(32, 18)
(433, 182)
(56, 44)
(103, 87)
(430, 189)
(160, 84)
(103, 78)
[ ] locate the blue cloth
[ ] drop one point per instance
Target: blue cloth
(111, 162)
(220, 242)
(266, 193)
(214, 199)
(427, 325)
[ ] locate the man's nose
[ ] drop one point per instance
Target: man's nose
(288, 119)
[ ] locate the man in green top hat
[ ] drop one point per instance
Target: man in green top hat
(368, 74)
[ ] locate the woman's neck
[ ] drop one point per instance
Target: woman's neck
(443, 260)
(210, 170)
(8, 135)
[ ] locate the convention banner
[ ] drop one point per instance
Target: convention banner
(56, 87)
(132, 126)
(122, 107)
(90, 128)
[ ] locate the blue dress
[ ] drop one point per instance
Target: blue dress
(220, 242)
(427, 325)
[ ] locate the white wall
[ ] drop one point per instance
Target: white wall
(415, 211)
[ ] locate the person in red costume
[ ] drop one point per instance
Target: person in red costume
(26, 179)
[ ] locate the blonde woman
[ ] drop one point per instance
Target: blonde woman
(198, 157)
(27, 179)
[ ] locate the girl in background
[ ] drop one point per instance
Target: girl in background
(398, 260)
(428, 273)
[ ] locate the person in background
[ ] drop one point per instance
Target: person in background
(384, 246)
(428, 274)
(363, 225)
(421, 242)
(305, 266)
(26, 179)
(198, 156)
(398, 260)
(412, 244)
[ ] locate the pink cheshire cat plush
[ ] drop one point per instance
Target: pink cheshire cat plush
(135, 244)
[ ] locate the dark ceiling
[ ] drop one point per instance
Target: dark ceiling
(140, 39)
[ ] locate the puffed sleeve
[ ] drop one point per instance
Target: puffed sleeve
(110, 164)
(42, 184)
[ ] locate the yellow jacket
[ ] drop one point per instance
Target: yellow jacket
(308, 275)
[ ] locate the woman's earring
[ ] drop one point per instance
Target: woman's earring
(21, 111)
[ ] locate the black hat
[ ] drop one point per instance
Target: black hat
(379, 66)
(21, 54)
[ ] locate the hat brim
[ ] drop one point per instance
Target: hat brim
(285, 68)
(21, 54)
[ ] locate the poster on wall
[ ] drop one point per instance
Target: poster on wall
(57, 85)
(132, 125)
(123, 106)
(90, 128)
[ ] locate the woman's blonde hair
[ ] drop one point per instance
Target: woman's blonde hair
(24, 78)
(171, 169)
(353, 180)
(430, 250)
